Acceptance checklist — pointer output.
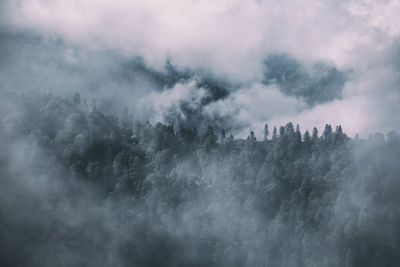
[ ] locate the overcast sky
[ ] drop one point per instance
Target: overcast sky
(229, 39)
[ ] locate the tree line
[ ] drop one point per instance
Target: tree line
(291, 199)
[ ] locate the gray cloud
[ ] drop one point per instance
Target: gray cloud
(231, 37)
(190, 63)
(85, 46)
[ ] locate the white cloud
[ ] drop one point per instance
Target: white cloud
(156, 105)
(369, 104)
(254, 106)
(230, 38)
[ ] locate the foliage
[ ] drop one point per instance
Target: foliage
(200, 200)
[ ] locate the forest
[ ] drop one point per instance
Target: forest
(83, 187)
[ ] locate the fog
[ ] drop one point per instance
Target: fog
(133, 133)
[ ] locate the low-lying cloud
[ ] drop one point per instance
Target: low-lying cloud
(87, 46)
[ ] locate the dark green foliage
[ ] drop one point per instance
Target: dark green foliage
(183, 198)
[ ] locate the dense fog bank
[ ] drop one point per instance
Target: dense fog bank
(82, 187)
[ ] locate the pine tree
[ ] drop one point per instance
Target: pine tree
(281, 131)
(274, 134)
(298, 135)
(266, 132)
(307, 138)
(314, 134)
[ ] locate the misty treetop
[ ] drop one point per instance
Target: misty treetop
(180, 133)
(109, 190)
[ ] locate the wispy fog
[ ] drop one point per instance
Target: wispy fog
(163, 133)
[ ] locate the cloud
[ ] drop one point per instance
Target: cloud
(369, 103)
(158, 106)
(116, 52)
(252, 107)
(317, 83)
(229, 39)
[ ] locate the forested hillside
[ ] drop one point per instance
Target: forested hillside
(81, 187)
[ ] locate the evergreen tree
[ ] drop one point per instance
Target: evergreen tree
(327, 131)
(281, 131)
(293, 194)
(274, 134)
(314, 134)
(266, 132)
(298, 135)
(307, 138)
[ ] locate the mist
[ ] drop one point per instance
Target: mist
(199, 133)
